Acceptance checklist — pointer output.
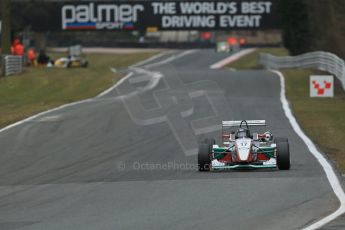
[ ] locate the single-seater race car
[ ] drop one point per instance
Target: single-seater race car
(68, 62)
(242, 149)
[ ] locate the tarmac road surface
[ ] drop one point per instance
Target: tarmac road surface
(127, 160)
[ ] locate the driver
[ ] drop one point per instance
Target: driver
(242, 133)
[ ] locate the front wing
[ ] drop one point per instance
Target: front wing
(216, 165)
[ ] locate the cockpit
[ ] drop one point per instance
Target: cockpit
(242, 133)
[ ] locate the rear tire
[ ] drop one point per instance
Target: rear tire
(283, 156)
(204, 160)
(210, 141)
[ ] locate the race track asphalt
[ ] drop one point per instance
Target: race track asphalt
(127, 160)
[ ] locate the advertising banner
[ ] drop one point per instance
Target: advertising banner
(157, 15)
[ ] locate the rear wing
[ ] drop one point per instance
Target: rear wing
(249, 122)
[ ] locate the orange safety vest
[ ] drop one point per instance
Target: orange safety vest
(31, 54)
(19, 49)
(242, 41)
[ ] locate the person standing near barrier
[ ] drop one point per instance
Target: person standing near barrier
(42, 58)
(18, 48)
(31, 57)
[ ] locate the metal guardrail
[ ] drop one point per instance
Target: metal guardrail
(318, 60)
(12, 65)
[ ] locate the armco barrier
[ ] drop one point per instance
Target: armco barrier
(12, 65)
(319, 60)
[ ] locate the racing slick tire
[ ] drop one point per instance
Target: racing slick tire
(280, 139)
(204, 157)
(210, 142)
(283, 156)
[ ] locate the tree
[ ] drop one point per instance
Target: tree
(5, 6)
(6, 26)
(295, 25)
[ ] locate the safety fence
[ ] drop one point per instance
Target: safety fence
(12, 65)
(319, 60)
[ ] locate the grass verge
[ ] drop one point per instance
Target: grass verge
(39, 89)
(323, 119)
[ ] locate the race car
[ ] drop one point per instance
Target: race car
(68, 62)
(242, 149)
(223, 47)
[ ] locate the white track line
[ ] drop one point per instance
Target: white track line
(117, 83)
(150, 59)
(232, 58)
(45, 112)
(131, 73)
(64, 106)
(90, 99)
(170, 59)
(155, 75)
(331, 175)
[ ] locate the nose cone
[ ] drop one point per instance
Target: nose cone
(243, 148)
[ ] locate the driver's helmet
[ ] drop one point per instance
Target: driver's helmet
(268, 136)
(241, 133)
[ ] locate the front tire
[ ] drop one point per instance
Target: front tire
(204, 160)
(283, 156)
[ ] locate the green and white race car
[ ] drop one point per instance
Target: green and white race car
(242, 149)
